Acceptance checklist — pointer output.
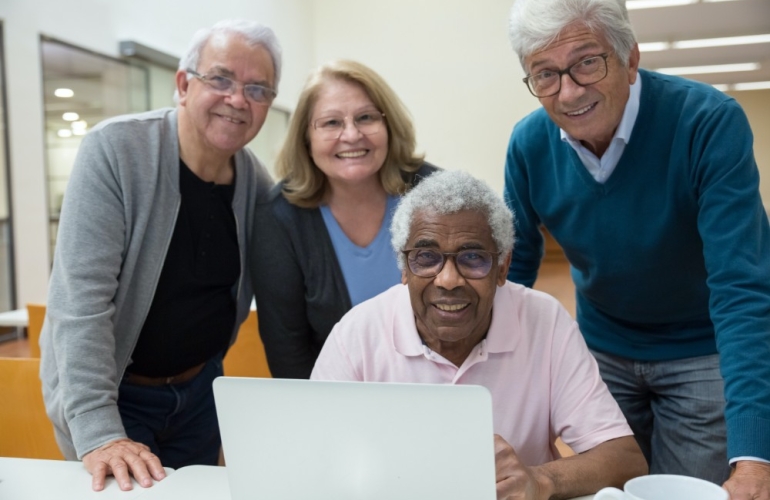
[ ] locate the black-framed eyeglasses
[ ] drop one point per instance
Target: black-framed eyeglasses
(223, 85)
(330, 128)
(472, 264)
(584, 72)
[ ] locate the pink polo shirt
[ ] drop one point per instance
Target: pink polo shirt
(543, 380)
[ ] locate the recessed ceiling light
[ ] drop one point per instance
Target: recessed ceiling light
(722, 86)
(79, 125)
(751, 86)
(70, 116)
(720, 42)
(651, 4)
(63, 93)
(699, 70)
(80, 131)
(65, 132)
(654, 46)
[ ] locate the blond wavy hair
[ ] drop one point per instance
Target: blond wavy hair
(304, 183)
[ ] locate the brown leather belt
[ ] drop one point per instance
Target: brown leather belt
(187, 375)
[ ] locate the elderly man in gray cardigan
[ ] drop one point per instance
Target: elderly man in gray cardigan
(149, 283)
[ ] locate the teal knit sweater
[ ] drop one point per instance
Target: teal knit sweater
(671, 256)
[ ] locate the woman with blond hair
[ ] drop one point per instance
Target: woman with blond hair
(320, 244)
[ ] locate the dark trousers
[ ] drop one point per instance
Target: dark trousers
(177, 421)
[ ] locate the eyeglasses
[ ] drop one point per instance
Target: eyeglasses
(226, 86)
(472, 264)
(584, 72)
(330, 128)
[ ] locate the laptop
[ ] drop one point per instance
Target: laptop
(301, 439)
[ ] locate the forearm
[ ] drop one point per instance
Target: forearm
(611, 463)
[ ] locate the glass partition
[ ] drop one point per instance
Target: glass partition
(80, 89)
(7, 301)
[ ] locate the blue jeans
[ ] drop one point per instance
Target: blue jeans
(676, 410)
(178, 422)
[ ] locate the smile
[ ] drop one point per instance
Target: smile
(451, 307)
(231, 119)
(352, 154)
(582, 110)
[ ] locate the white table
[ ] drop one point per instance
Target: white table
(27, 479)
(18, 319)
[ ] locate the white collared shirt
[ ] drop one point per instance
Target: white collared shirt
(601, 168)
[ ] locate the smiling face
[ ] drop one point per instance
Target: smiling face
(216, 124)
(452, 313)
(590, 114)
(353, 157)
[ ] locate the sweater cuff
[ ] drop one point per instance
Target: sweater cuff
(96, 428)
(748, 436)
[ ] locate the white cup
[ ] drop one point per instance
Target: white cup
(664, 487)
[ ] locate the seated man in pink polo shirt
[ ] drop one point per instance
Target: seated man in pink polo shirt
(458, 321)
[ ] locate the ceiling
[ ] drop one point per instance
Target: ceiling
(707, 20)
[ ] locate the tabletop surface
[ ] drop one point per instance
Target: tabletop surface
(28, 479)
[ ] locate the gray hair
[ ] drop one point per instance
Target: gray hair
(256, 34)
(448, 192)
(534, 24)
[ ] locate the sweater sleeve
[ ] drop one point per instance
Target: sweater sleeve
(279, 287)
(736, 247)
(528, 250)
(80, 307)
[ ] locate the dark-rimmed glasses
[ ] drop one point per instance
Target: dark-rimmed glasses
(472, 264)
(223, 85)
(584, 72)
(330, 128)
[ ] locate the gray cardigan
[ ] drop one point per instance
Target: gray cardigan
(116, 224)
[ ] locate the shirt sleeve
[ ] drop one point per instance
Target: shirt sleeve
(583, 412)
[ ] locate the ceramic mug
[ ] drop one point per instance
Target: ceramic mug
(664, 487)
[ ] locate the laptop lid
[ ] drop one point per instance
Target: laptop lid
(302, 439)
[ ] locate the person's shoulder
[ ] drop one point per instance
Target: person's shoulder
(529, 130)
(137, 121)
(526, 304)
(662, 89)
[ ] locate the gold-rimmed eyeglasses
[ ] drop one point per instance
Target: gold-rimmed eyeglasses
(330, 128)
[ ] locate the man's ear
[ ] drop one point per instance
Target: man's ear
(403, 276)
(181, 84)
(503, 274)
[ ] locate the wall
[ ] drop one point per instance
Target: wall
(99, 25)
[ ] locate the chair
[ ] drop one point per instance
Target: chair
(27, 432)
(246, 358)
(36, 314)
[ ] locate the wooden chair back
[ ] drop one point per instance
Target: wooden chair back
(246, 358)
(36, 314)
(25, 428)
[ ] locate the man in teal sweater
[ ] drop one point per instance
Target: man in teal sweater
(649, 184)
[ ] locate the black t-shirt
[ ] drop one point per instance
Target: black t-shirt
(193, 310)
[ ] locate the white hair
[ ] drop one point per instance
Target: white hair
(534, 24)
(256, 34)
(448, 192)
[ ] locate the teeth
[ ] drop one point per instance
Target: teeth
(451, 307)
(231, 120)
(580, 111)
(351, 154)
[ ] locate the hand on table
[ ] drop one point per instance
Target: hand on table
(120, 458)
(515, 481)
(749, 481)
